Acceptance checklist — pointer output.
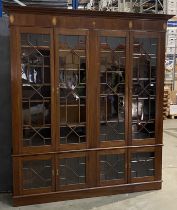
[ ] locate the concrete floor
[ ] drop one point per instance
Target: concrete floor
(165, 199)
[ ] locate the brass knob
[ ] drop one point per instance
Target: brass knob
(54, 21)
(11, 19)
(130, 24)
(94, 23)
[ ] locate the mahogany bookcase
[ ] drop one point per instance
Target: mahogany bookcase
(87, 90)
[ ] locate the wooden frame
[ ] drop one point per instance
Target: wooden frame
(18, 97)
(121, 34)
(91, 24)
(57, 70)
(159, 88)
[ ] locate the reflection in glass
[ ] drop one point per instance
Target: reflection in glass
(112, 88)
(36, 91)
(36, 113)
(72, 84)
(144, 88)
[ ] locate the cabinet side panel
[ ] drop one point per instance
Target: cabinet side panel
(15, 89)
(160, 88)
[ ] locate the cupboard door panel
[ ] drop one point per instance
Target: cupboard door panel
(36, 95)
(113, 63)
(112, 167)
(145, 164)
(72, 170)
(142, 164)
(72, 88)
(36, 174)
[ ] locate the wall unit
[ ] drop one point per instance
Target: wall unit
(87, 111)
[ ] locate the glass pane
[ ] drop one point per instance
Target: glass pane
(112, 167)
(37, 174)
(72, 171)
(144, 88)
(36, 137)
(72, 84)
(142, 164)
(112, 88)
(36, 90)
(72, 134)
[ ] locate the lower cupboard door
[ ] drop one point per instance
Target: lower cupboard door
(145, 164)
(35, 175)
(112, 167)
(72, 171)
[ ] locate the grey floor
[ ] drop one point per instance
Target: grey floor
(165, 199)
